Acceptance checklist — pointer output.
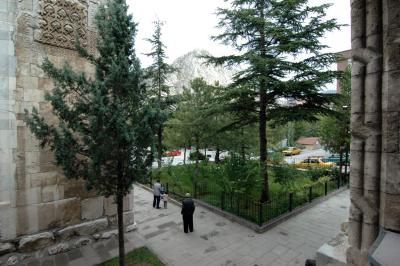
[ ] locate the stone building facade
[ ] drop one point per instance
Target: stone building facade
(375, 147)
(34, 195)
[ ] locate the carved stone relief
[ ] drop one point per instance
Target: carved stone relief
(61, 21)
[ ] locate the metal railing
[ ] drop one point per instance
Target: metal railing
(244, 206)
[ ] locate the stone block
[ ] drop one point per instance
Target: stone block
(59, 213)
(106, 235)
(52, 193)
(76, 188)
(128, 202)
(390, 211)
(368, 235)
(26, 197)
(83, 229)
(45, 84)
(391, 132)
(110, 207)
(131, 227)
(32, 157)
(8, 223)
(26, 220)
(128, 218)
(391, 59)
(58, 248)
(12, 260)
(92, 208)
(82, 241)
(333, 252)
(390, 91)
(6, 248)
(44, 179)
(390, 181)
(371, 170)
(35, 242)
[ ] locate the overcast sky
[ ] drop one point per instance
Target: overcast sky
(190, 23)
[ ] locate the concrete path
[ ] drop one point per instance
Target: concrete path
(218, 241)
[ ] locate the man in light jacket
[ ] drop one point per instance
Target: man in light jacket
(187, 213)
(157, 194)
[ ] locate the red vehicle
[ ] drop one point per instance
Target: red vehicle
(172, 153)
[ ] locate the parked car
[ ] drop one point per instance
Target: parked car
(173, 153)
(291, 151)
(314, 162)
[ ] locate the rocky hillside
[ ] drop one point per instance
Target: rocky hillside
(190, 66)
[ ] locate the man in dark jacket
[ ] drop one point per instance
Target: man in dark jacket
(187, 213)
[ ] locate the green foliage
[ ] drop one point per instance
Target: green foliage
(159, 92)
(334, 130)
(286, 176)
(268, 35)
(241, 174)
(276, 158)
(104, 124)
(196, 155)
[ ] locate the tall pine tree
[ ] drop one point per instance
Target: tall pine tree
(157, 74)
(105, 125)
(278, 44)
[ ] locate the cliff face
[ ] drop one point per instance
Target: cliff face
(190, 66)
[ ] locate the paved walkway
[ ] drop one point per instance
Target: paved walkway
(218, 241)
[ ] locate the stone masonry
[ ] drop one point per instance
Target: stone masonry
(34, 194)
(375, 154)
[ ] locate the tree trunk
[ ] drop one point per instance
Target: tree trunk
(120, 209)
(263, 109)
(263, 146)
(242, 147)
(216, 159)
(184, 156)
(159, 145)
(196, 167)
(340, 164)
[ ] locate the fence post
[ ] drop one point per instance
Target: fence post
(167, 188)
(195, 190)
(237, 205)
(338, 181)
(260, 214)
(326, 188)
(348, 180)
(290, 201)
(310, 194)
(222, 200)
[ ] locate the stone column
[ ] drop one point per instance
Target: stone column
(374, 180)
(8, 139)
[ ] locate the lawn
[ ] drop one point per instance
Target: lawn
(138, 257)
(212, 177)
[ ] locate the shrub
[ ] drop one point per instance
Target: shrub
(197, 155)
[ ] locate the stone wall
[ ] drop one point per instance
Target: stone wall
(375, 155)
(34, 195)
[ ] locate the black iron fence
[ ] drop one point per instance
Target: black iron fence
(244, 206)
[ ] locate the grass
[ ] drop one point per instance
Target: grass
(138, 257)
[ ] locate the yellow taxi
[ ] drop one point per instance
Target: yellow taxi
(314, 162)
(291, 151)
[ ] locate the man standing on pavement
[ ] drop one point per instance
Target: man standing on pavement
(187, 213)
(157, 194)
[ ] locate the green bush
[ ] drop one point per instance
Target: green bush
(198, 155)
